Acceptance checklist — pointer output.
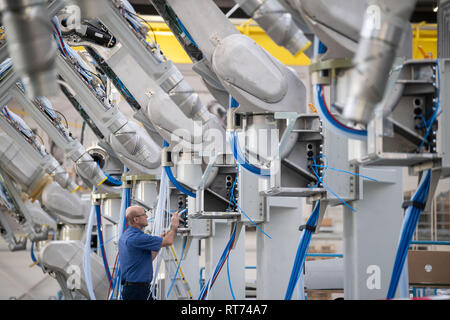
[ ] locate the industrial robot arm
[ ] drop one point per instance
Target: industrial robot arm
(277, 23)
(42, 112)
(34, 221)
(6, 230)
(18, 130)
(259, 82)
(384, 25)
(131, 143)
(155, 81)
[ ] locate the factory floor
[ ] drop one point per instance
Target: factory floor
(20, 281)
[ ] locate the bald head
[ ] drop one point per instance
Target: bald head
(133, 212)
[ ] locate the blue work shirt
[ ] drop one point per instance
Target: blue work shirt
(135, 255)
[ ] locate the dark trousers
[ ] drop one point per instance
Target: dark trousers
(136, 292)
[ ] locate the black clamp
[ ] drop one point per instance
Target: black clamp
(307, 227)
(409, 203)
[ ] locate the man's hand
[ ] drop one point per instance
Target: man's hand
(175, 222)
(169, 237)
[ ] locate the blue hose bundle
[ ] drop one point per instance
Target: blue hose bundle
(176, 184)
(237, 152)
(325, 114)
(100, 237)
(174, 181)
(124, 204)
(409, 226)
(337, 126)
(229, 278)
(428, 124)
(303, 245)
(112, 181)
(223, 258)
(242, 160)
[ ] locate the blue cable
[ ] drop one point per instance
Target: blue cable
(321, 48)
(435, 113)
(238, 154)
(124, 204)
(178, 267)
(358, 134)
(232, 188)
(409, 225)
(344, 171)
(240, 158)
(300, 257)
(319, 180)
(228, 264)
(233, 104)
(112, 180)
(32, 253)
(240, 209)
(113, 287)
(100, 237)
(181, 25)
(119, 285)
(204, 290)
(125, 90)
(325, 113)
(116, 286)
(433, 118)
(229, 278)
(173, 180)
(177, 184)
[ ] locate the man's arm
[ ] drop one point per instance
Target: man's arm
(169, 238)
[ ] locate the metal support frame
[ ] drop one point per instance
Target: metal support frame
(214, 247)
(275, 257)
(371, 234)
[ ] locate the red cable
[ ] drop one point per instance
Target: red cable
(114, 271)
(60, 39)
(105, 261)
(217, 274)
(331, 115)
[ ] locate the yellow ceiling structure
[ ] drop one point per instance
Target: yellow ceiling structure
(175, 52)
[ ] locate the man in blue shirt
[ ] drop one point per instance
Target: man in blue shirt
(137, 251)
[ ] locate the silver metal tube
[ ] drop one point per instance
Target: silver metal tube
(31, 44)
(382, 31)
(164, 73)
(88, 169)
(140, 150)
(201, 29)
(278, 24)
(61, 176)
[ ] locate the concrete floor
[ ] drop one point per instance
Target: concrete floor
(20, 281)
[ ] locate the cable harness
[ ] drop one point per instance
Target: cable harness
(410, 221)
